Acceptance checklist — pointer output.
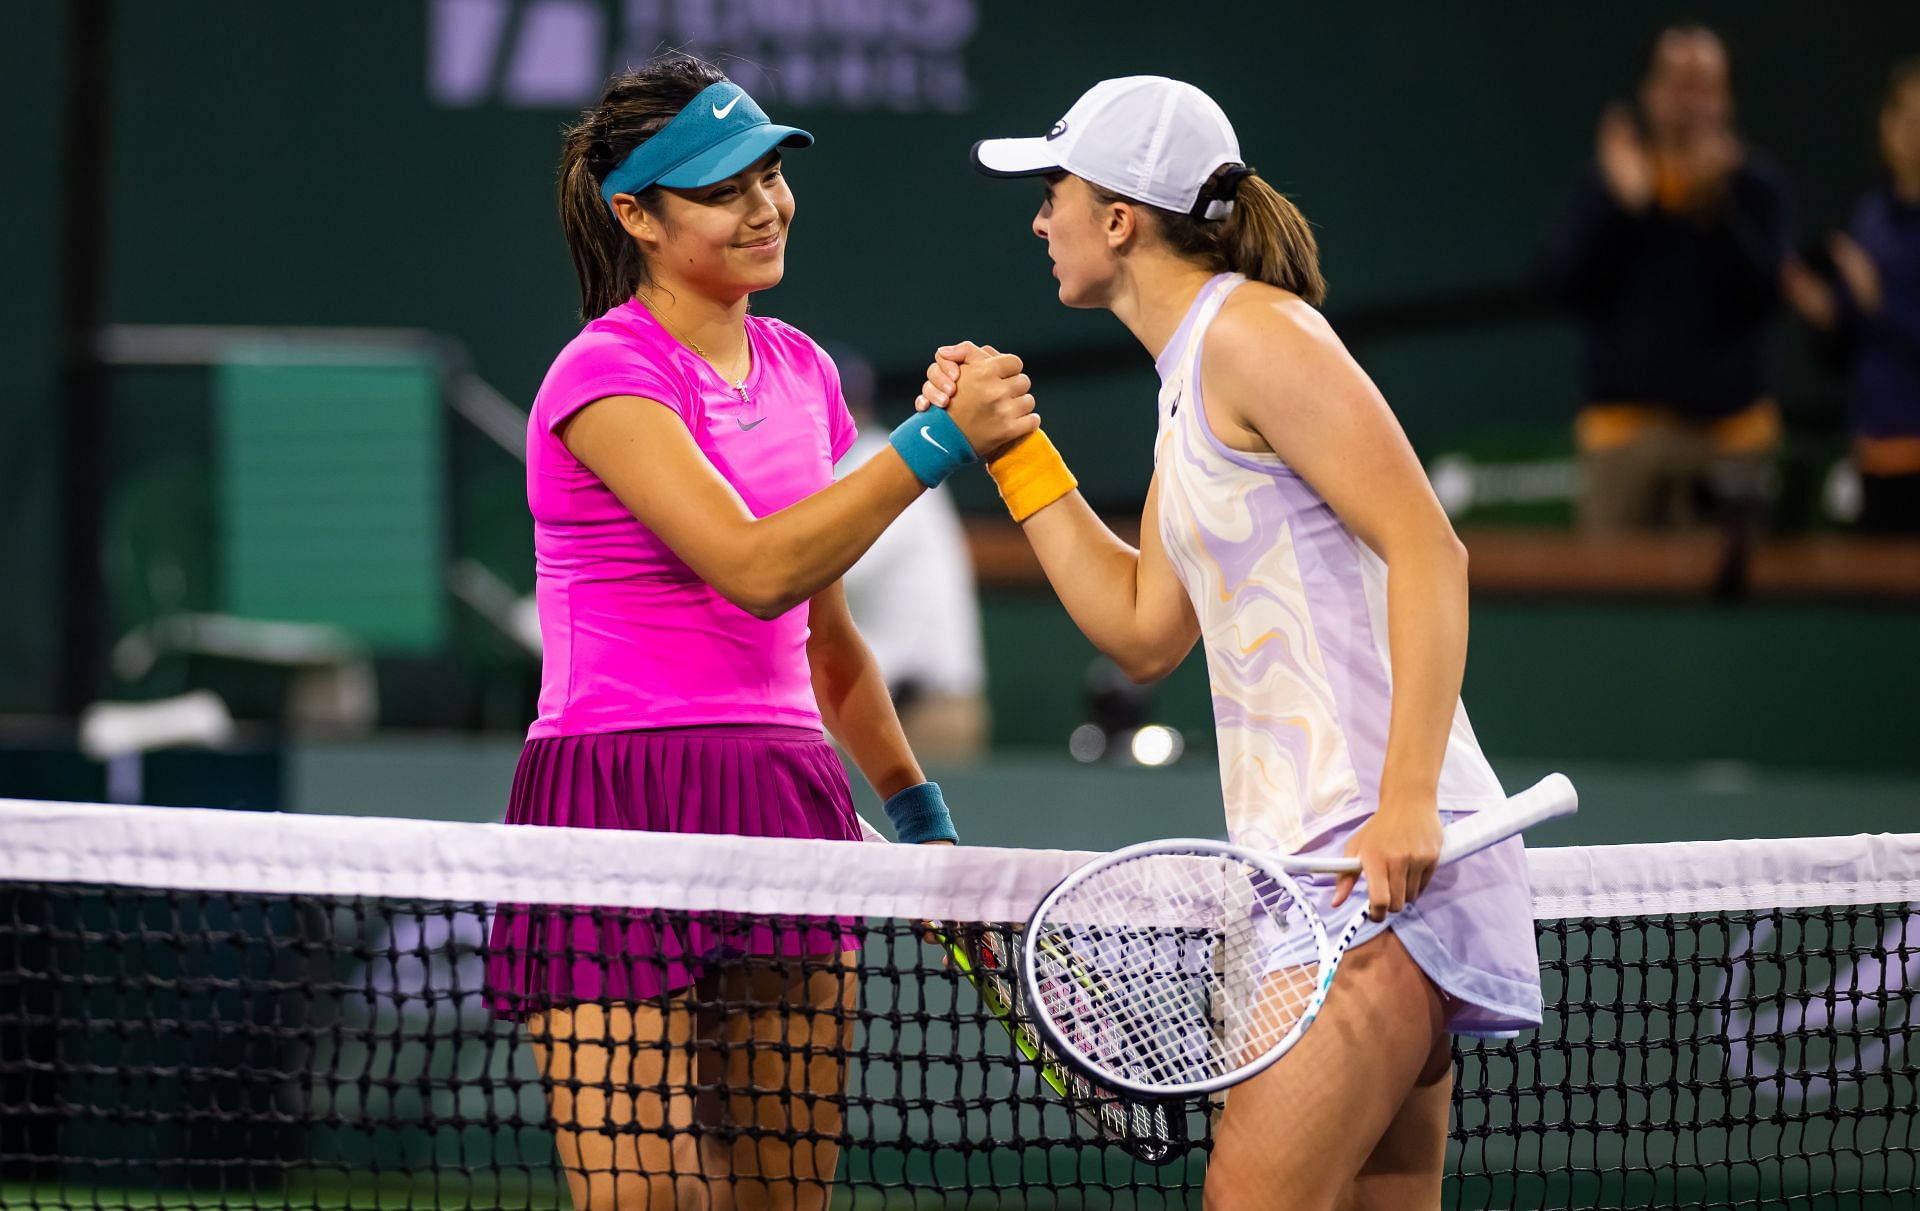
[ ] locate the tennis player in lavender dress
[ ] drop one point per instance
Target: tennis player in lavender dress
(1289, 529)
(689, 540)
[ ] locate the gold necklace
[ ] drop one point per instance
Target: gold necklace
(739, 384)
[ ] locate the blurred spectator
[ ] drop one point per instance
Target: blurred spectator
(1868, 307)
(1670, 254)
(913, 597)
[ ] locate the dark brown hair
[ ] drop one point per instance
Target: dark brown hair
(1264, 236)
(1650, 56)
(637, 103)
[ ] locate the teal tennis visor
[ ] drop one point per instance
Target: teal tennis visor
(719, 133)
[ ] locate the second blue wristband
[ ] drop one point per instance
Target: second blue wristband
(919, 813)
(932, 446)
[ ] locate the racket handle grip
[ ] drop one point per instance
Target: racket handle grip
(1548, 799)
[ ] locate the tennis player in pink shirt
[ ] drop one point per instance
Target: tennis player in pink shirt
(690, 539)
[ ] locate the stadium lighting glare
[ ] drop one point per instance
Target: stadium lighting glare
(1155, 744)
(1088, 743)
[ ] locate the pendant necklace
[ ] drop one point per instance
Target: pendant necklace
(739, 384)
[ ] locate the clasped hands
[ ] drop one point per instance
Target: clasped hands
(987, 393)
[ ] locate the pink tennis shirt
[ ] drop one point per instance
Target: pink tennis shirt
(633, 637)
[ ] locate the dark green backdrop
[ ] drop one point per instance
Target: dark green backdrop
(286, 164)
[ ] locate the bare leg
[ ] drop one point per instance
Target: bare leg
(637, 1091)
(1299, 1134)
(1407, 1165)
(784, 1069)
(618, 1079)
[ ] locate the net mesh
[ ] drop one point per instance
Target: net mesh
(210, 1010)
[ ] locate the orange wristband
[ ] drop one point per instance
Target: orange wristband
(1031, 476)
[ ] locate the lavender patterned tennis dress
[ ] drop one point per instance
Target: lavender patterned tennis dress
(1292, 612)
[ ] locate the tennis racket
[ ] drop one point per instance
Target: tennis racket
(1151, 1131)
(1176, 968)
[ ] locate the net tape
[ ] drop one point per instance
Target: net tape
(211, 850)
(1730, 1024)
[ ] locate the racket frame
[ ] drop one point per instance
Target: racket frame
(1326, 962)
(1549, 799)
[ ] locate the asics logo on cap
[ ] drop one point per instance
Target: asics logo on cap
(721, 111)
(1059, 128)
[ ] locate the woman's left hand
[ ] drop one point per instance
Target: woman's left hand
(1398, 848)
(943, 373)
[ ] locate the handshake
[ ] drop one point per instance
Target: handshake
(985, 392)
(987, 397)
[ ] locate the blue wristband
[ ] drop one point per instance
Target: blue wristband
(919, 813)
(932, 445)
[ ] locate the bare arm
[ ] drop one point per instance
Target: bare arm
(1286, 383)
(853, 697)
(767, 565)
(1128, 602)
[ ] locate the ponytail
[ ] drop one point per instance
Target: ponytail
(634, 108)
(1267, 238)
(1263, 235)
(605, 259)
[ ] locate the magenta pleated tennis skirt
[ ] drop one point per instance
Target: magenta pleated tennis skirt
(746, 780)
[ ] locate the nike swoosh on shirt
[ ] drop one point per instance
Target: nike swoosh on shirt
(721, 111)
(936, 442)
(744, 426)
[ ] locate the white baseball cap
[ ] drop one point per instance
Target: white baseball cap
(1148, 138)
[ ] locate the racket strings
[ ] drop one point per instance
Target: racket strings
(1174, 969)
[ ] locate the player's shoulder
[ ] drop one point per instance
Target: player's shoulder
(783, 336)
(792, 347)
(615, 353)
(611, 340)
(1262, 327)
(598, 346)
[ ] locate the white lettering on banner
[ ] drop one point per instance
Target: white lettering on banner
(901, 55)
(1781, 1039)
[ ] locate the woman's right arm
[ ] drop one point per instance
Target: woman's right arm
(1127, 602)
(767, 565)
